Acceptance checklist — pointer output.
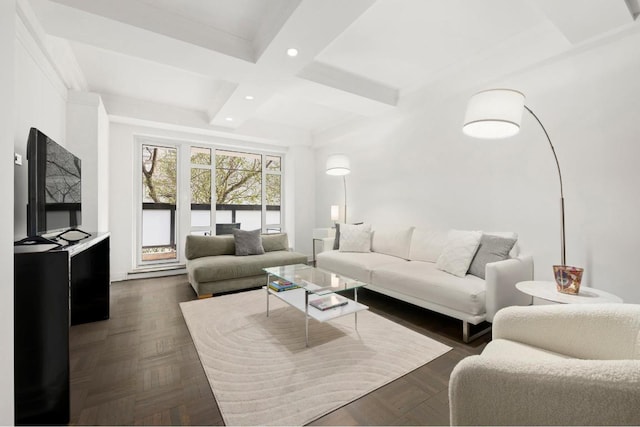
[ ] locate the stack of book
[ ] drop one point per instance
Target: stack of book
(281, 285)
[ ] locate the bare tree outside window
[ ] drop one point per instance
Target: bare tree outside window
(159, 186)
(159, 169)
(238, 178)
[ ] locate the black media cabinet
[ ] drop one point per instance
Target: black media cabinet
(53, 290)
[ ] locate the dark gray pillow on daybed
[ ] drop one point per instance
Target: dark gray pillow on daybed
(248, 242)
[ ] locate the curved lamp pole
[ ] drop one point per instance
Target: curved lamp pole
(553, 150)
(497, 113)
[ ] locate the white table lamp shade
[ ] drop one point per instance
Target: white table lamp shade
(338, 164)
(335, 212)
(495, 113)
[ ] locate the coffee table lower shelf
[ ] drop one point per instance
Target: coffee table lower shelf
(299, 298)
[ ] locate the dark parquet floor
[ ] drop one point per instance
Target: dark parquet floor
(141, 367)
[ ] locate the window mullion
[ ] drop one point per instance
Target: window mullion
(263, 182)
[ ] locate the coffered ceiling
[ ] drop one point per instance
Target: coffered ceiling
(225, 61)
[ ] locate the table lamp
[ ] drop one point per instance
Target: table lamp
(339, 165)
(335, 213)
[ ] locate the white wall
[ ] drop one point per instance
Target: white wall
(123, 178)
(416, 167)
(122, 197)
(300, 183)
(40, 102)
(33, 95)
(88, 138)
(7, 93)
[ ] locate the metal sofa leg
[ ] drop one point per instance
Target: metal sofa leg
(465, 332)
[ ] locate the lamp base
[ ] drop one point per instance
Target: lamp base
(568, 278)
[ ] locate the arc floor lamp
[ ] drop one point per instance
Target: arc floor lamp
(497, 113)
(339, 165)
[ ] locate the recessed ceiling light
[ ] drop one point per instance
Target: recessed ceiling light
(292, 52)
(249, 97)
(229, 119)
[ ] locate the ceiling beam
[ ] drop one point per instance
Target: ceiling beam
(160, 116)
(160, 21)
(310, 28)
(330, 76)
(109, 34)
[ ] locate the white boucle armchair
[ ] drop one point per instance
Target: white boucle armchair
(553, 365)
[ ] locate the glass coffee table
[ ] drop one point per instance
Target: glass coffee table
(313, 282)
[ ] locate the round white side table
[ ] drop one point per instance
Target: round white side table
(547, 291)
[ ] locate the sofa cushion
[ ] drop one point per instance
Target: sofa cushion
(275, 242)
(222, 267)
(248, 242)
(355, 265)
(427, 244)
(202, 246)
(392, 241)
(506, 349)
(492, 249)
(423, 280)
(355, 238)
(459, 251)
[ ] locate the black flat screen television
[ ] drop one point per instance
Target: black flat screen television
(55, 186)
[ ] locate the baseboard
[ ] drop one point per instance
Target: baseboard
(148, 273)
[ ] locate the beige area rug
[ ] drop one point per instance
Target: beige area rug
(261, 373)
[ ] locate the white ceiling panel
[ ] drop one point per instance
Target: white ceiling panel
(299, 113)
(113, 73)
(402, 43)
(241, 18)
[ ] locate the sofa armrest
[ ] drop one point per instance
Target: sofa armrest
(499, 391)
(501, 278)
(327, 244)
(586, 331)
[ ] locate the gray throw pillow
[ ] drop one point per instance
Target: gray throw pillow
(491, 249)
(248, 242)
(336, 242)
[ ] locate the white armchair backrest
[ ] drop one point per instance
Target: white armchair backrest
(584, 331)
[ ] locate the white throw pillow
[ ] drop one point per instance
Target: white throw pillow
(355, 238)
(427, 244)
(459, 252)
(392, 241)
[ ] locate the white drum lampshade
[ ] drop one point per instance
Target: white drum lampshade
(495, 113)
(335, 212)
(338, 164)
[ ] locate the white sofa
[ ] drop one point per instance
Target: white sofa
(569, 364)
(402, 264)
